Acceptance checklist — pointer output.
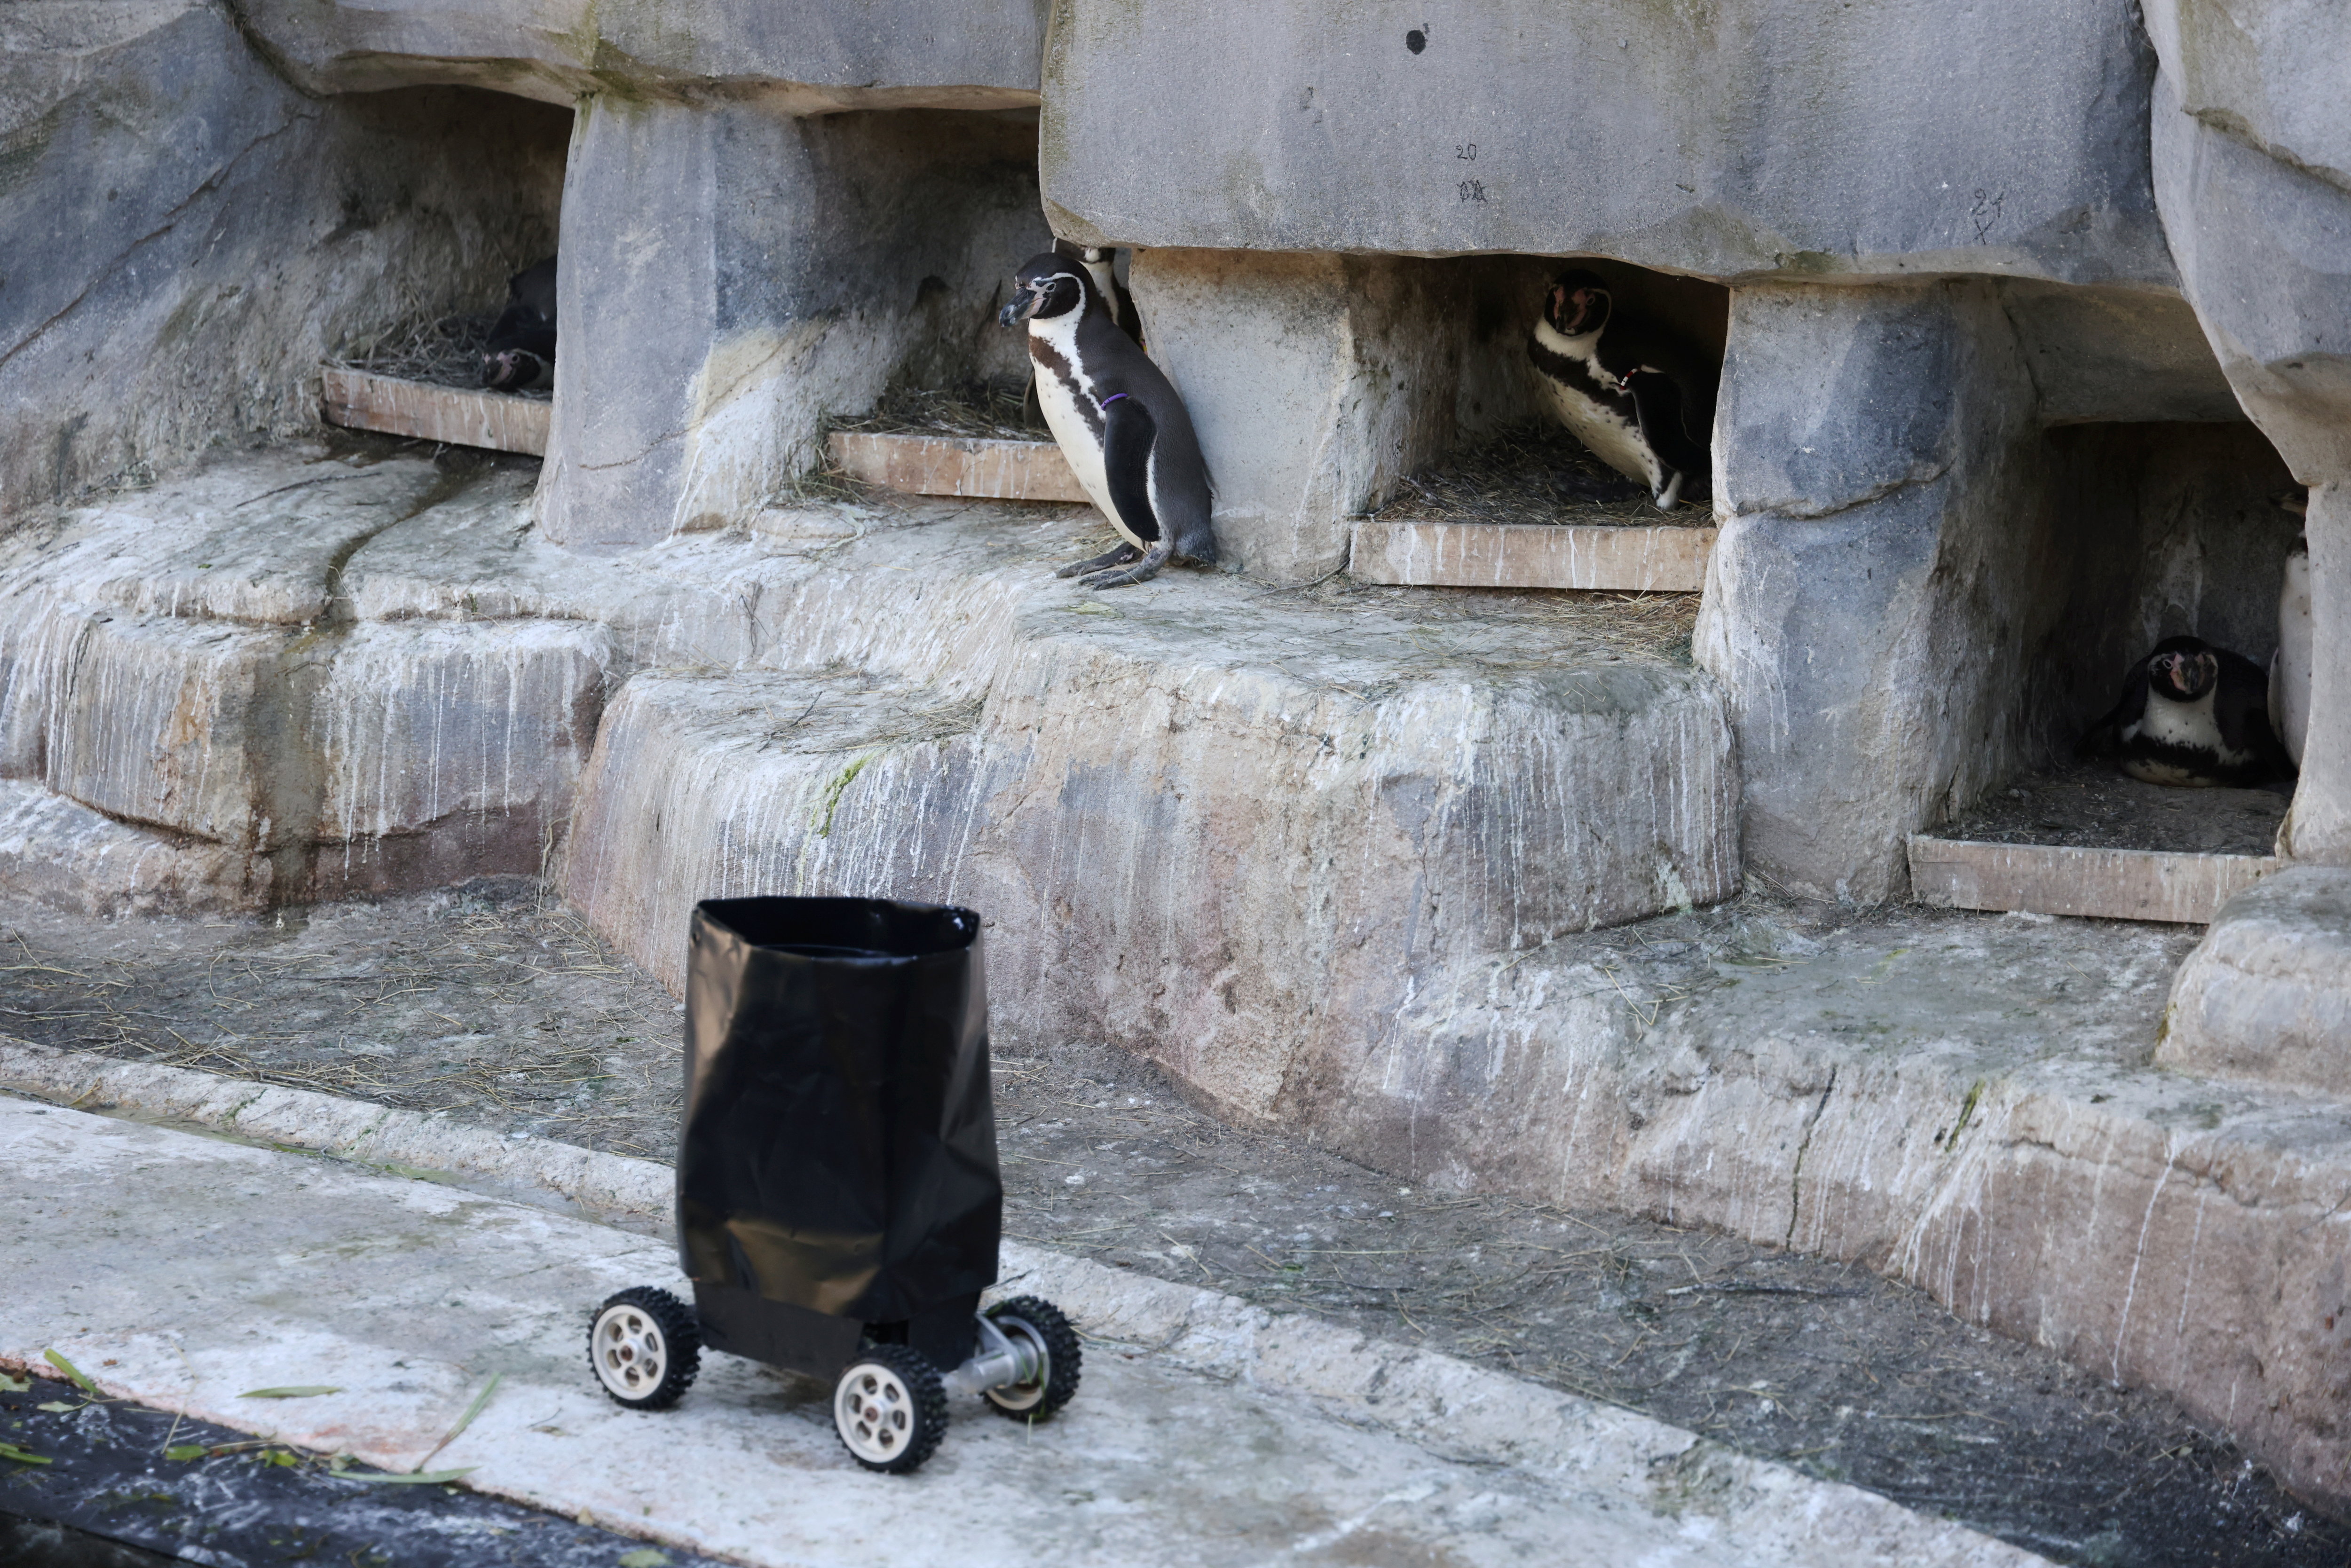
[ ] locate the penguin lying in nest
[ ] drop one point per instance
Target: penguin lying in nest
(1625, 387)
(1119, 422)
(2193, 715)
(521, 350)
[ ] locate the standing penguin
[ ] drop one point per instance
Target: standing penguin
(1125, 433)
(2290, 668)
(521, 350)
(1101, 263)
(1624, 389)
(2192, 715)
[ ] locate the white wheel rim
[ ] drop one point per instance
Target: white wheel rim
(630, 1354)
(875, 1411)
(1018, 1396)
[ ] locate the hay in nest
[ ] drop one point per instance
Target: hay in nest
(1533, 473)
(445, 351)
(999, 409)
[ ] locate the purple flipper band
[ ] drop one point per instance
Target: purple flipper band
(1111, 399)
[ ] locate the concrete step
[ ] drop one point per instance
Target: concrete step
(956, 466)
(462, 416)
(1234, 837)
(1633, 559)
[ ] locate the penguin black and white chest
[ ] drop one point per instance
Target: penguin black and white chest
(1101, 263)
(520, 349)
(1623, 389)
(2195, 715)
(1118, 420)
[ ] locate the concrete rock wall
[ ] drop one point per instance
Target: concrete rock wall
(734, 273)
(945, 54)
(1236, 845)
(189, 236)
(1729, 140)
(188, 700)
(2252, 141)
(1874, 585)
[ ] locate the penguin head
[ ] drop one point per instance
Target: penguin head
(1578, 304)
(1092, 255)
(514, 368)
(1047, 286)
(2183, 668)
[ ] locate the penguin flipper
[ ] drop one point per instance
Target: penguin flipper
(1125, 552)
(1657, 405)
(2104, 738)
(1128, 434)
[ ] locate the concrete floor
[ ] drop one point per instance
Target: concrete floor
(492, 1006)
(182, 1271)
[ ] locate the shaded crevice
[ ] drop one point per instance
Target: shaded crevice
(1796, 1175)
(289, 773)
(1797, 512)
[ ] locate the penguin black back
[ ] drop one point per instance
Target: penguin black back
(2194, 716)
(520, 349)
(1124, 428)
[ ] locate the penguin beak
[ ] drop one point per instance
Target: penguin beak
(1018, 308)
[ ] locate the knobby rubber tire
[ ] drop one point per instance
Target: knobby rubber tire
(926, 1390)
(681, 1334)
(1063, 1358)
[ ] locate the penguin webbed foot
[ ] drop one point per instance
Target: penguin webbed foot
(1143, 570)
(1119, 557)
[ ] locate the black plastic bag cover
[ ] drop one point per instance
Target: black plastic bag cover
(839, 1145)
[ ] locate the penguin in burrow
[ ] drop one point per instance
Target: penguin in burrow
(2194, 716)
(1119, 422)
(1101, 263)
(1626, 389)
(2290, 666)
(520, 349)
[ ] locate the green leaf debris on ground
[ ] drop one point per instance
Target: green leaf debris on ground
(427, 1478)
(480, 1400)
(23, 1457)
(71, 1370)
(184, 1452)
(644, 1557)
(292, 1391)
(12, 1384)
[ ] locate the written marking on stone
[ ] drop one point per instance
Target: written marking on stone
(1473, 190)
(1465, 152)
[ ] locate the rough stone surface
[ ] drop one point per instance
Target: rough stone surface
(190, 235)
(852, 55)
(2110, 353)
(1871, 593)
(71, 857)
(189, 663)
(409, 1294)
(2266, 996)
(1187, 835)
(2251, 142)
(1735, 140)
(733, 274)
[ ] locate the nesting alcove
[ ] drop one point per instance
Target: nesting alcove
(2153, 531)
(468, 185)
(1510, 498)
